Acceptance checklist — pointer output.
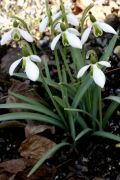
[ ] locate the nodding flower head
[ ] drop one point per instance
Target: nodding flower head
(97, 74)
(69, 37)
(98, 27)
(29, 66)
(16, 34)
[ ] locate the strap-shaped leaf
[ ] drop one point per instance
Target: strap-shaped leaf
(107, 135)
(31, 116)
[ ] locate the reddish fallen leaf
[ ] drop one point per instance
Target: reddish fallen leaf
(35, 147)
(13, 166)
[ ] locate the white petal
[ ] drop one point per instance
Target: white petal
(105, 27)
(85, 35)
(82, 71)
(25, 35)
(31, 70)
(43, 24)
(6, 37)
(73, 40)
(98, 76)
(54, 41)
(105, 63)
(35, 58)
(72, 19)
(57, 15)
(73, 31)
(13, 66)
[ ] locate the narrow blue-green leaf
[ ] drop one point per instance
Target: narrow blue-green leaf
(59, 101)
(31, 116)
(77, 57)
(82, 133)
(81, 91)
(47, 156)
(107, 135)
(40, 108)
(109, 49)
(114, 98)
(84, 112)
(25, 98)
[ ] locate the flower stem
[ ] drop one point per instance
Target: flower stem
(100, 106)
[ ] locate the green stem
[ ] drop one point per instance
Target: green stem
(100, 106)
(64, 13)
(63, 54)
(52, 99)
(58, 65)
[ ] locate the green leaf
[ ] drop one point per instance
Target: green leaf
(77, 57)
(114, 98)
(46, 156)
(24, 98)
(109, 49)
(81, 91)
(84, 112)
(112, 107)
(42, 109)
(107, 135)
(31, 116)
(82, 133)
(59, 101)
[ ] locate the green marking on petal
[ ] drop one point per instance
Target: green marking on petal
(97, 30)
(16, 35)
(64, 40)
(24, 63)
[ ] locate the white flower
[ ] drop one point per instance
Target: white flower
(16, 33)
(30, 67)
(97, 74)
(69, 36)
(71, 18)
(98, 28)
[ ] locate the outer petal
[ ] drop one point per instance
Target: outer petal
(82, 71)
(98, 76)
(73, 40)
(13, 66)
(54, 41)
(6, 37)
(32, 70)
(86, 34)
(105, 63)
(35, 58)
(43, 24)
(72, 19)
(105, 27)
(25, 35)
(73, 31)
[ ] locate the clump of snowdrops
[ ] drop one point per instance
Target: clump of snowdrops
(75, 94)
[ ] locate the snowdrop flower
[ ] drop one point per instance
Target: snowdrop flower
(98, 27)
(29, 66)
(15, 34)
(97, 74)
(71, 18)
(69, 36)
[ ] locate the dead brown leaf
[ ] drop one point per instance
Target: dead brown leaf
(33, 128)
(35, 147)
(22, 88)
(13, 166)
